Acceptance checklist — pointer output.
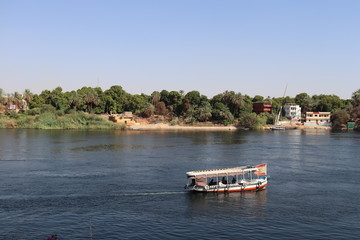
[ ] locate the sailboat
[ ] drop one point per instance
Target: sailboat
(277, 126)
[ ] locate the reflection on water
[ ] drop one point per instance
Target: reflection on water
(115, 147)
(251, 204)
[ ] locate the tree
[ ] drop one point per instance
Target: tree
(160, 109)
(339, 119)
(149, 110)
(18, 100)
(116, 99)
(356, 97)
(236, 101)
(304, 101)
(247, 106)
(155, 98)
(258, 98)
(91, 98)
(108, 103)
(164, 97)
(56, 98)
(2, 100)
(203, 112)
(137, 103)
(233, 101)
(193, 98)
(220, 112)
(249, 120)
(328, 103)
(74, 100)
(175, 102)
(27, 96)
(355, 109)
(36, 101)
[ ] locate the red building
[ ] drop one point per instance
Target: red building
(260, 107)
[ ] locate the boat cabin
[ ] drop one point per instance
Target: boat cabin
(228, 179)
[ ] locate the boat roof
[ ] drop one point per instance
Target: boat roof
(221, 172)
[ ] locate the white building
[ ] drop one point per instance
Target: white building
(292, 111)
(317, 118)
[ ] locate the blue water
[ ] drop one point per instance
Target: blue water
(129, 185)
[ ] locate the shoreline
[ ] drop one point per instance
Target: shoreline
(163, 126)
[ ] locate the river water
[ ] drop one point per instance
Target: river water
(129, 185)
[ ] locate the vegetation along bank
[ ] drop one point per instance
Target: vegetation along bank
(88, 108)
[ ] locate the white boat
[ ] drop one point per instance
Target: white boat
(278, 127)
(246, 178)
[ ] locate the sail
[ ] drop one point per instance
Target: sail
(262, 170)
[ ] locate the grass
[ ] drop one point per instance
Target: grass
(77, 120)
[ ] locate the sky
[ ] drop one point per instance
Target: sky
(251, 47)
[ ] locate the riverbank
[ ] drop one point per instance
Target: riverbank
(164, 126)
(300, 127)
(80, 120)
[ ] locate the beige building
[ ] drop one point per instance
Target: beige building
(124, 118)
(317, 119)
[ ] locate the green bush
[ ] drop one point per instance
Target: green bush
(45, 108)
(60, 112)
(174, 122)
(249, 120)
(24, 122)
(46, 121)
(13, 115)
(33, 111)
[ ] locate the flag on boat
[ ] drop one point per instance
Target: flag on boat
(262, 171)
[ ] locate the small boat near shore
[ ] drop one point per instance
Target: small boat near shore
(245, 178)
(277, 127)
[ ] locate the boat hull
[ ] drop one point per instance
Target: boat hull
(229, 188)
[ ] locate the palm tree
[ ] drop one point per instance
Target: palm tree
(17, 99)
(27, 97)
(91, 98)
(234, 101)
(2, 99)
(74, 99)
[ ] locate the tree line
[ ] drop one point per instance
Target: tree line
(228, 107)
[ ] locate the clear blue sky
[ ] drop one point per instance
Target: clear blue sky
(251, 47)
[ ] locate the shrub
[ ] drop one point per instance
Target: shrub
(47, 108)
(33, 111)
(339, 119)
(60, 113)
(13, 115)
(174, 122)
(249, 120)
(24, 122)
(46, 121)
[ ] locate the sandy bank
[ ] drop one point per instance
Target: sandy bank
(163, 126)
(301, 127)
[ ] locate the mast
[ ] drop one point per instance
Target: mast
(277, 118)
